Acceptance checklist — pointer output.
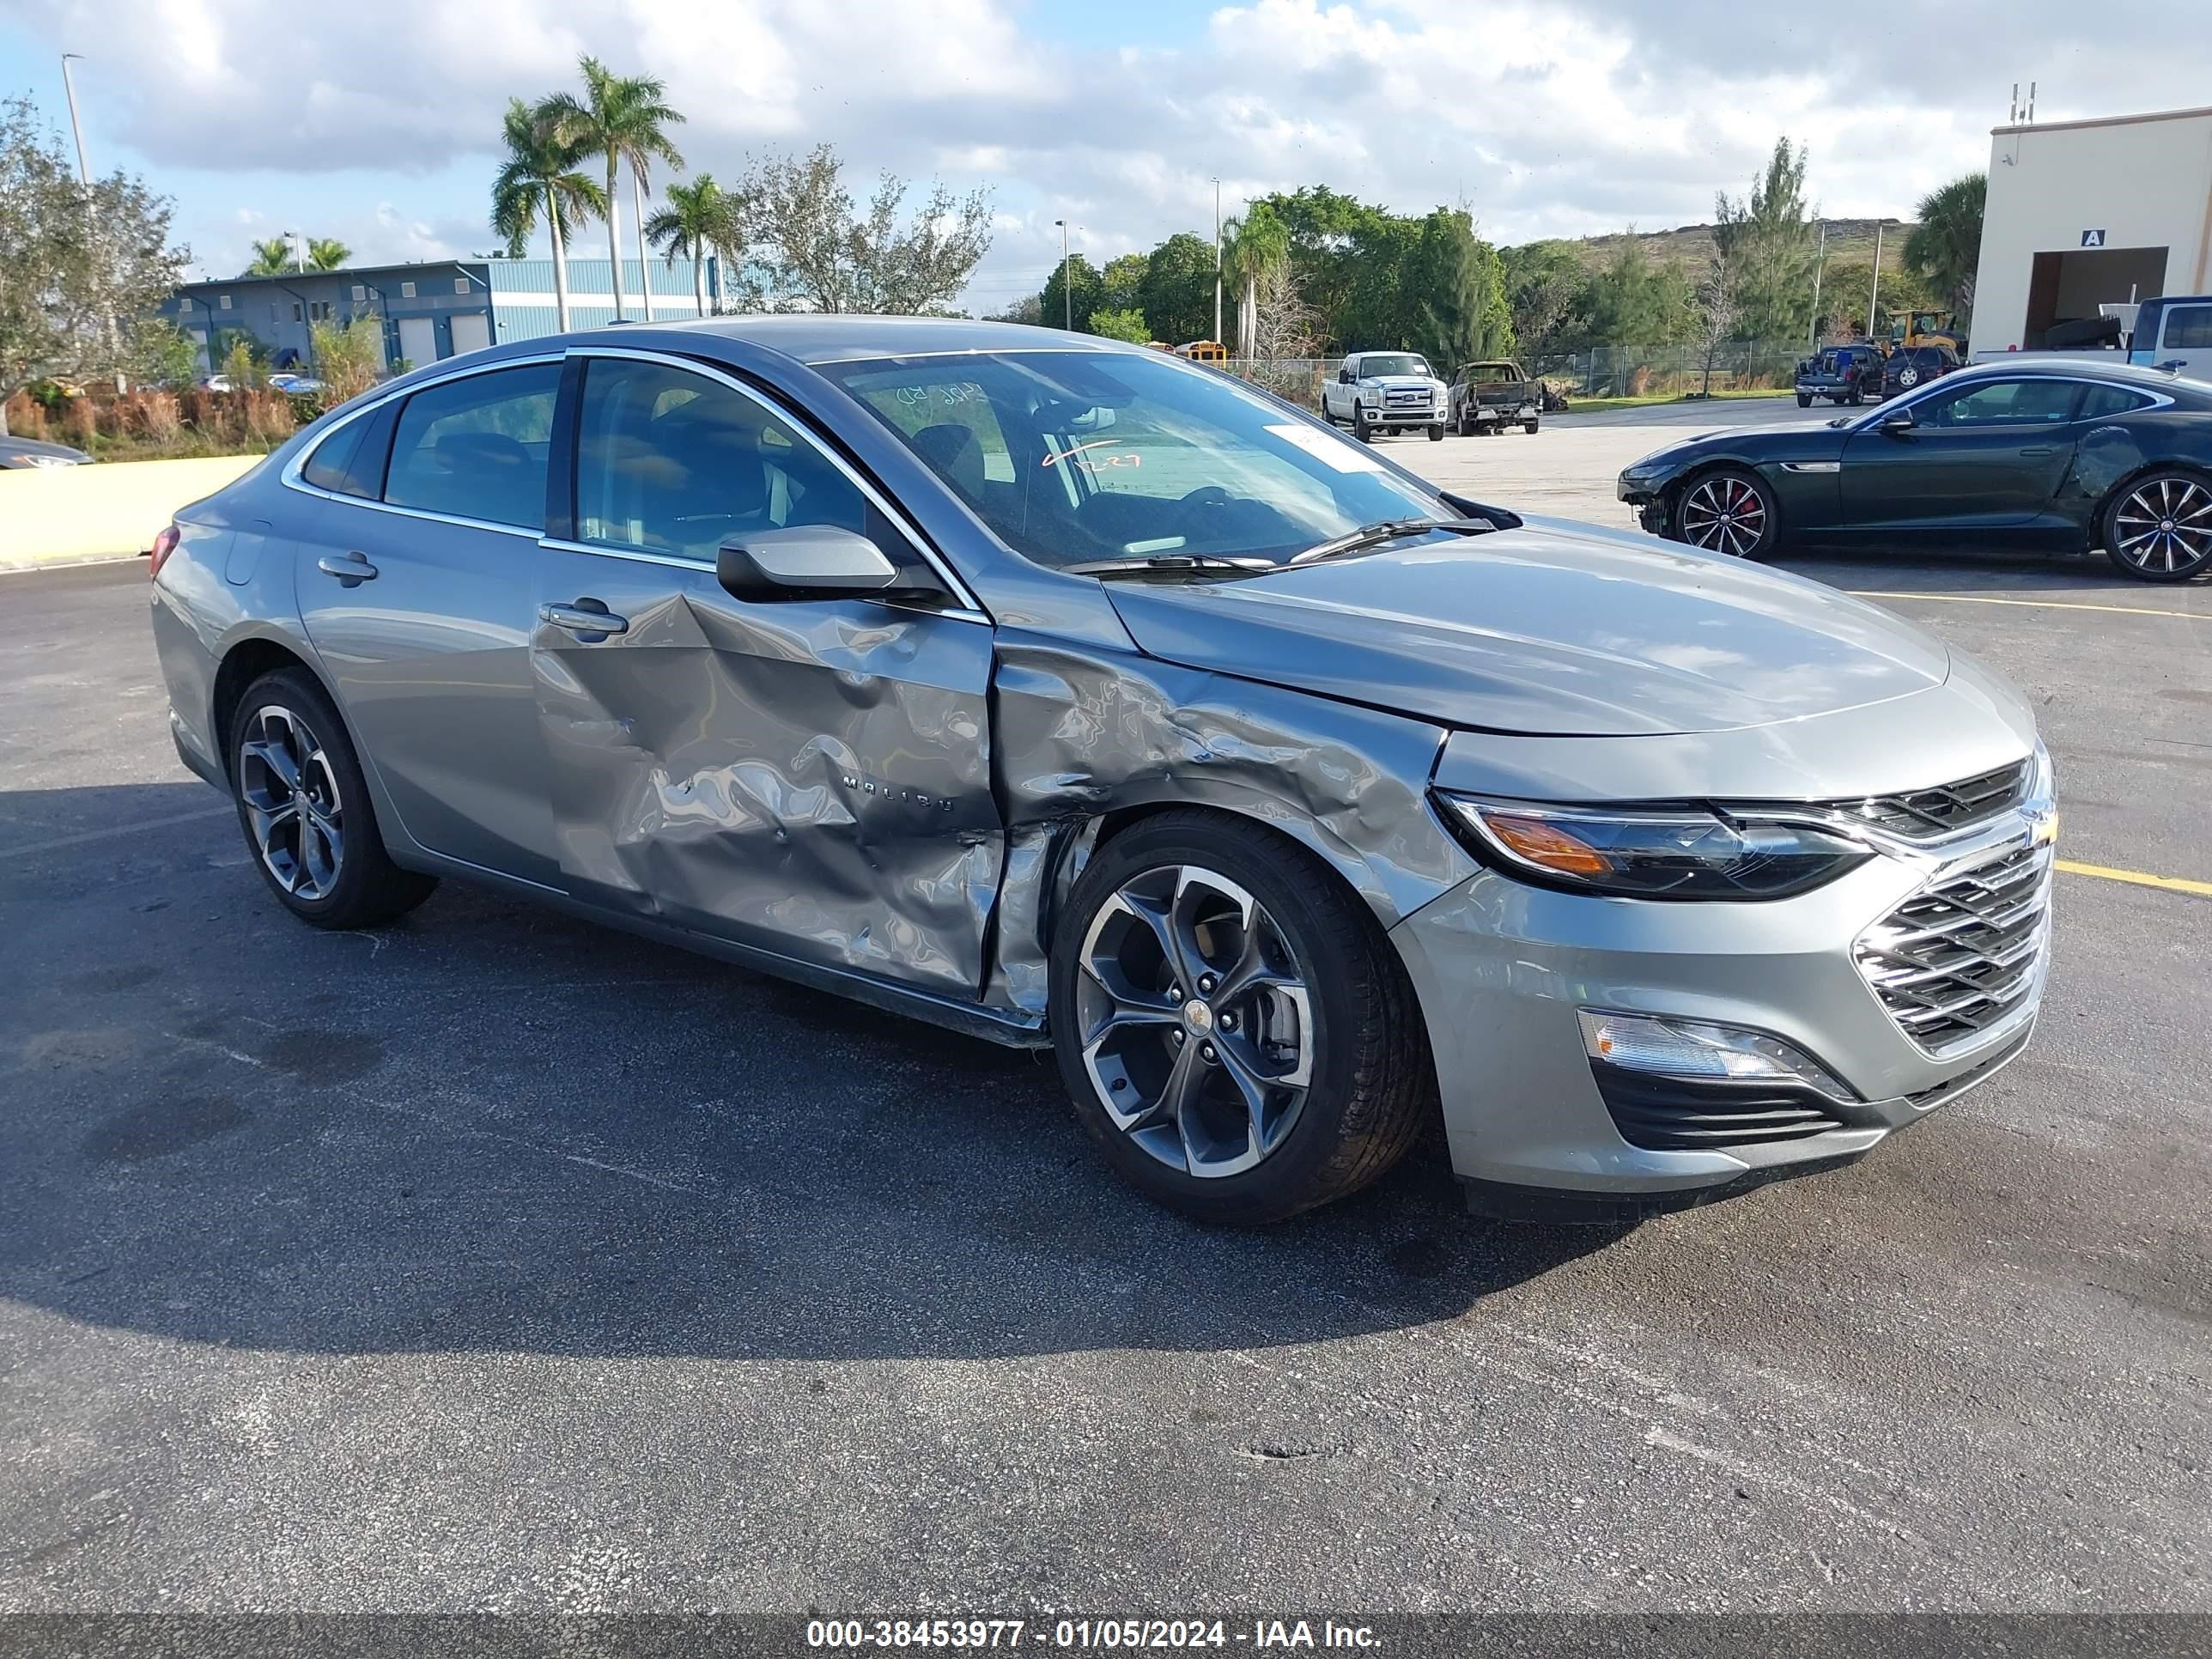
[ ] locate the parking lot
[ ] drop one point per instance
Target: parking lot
(495, 1261)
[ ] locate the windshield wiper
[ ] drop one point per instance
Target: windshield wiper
(1388, 530)
(1168, 564)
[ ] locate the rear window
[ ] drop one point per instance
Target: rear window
(351, 461)
(2189, 328)
(2101, 403)
(477, 447)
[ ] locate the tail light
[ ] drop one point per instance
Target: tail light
(164, 545)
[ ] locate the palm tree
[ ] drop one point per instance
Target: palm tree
(1252, 246)
(699, 215)
(620, 117)
(539, 176)
(271, 258)
(327, 253)
(1945, 248)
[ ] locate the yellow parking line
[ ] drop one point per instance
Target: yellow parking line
(2054, 604)
(2171, 883)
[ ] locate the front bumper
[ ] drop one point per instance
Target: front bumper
(1429, 414)
(1503, 969)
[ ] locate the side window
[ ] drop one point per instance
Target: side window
(351, 461)
(2189, 328)
(2007, 403)
(670, 462)
(2102, 402)
(950, 424)
(477, 447)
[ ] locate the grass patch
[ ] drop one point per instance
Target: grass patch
(1599, 405)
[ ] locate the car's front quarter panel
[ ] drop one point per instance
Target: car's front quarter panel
(1800, 463)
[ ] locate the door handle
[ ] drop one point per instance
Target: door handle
(351, 569)
(2039, 450)
(588, 619)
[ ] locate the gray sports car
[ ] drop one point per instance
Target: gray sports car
(1066, 693)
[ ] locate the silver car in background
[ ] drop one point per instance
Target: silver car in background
(1065, 693)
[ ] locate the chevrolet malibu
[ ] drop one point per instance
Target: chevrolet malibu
(1070, 695)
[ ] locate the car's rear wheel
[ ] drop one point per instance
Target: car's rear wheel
(1467, 423)
(1530, 427)
(1729, 511)
(2159, 528)
(1804, 400)
(1234, 1029)
(303, 807)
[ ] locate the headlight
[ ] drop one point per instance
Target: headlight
(41, 460)
(1682, 854)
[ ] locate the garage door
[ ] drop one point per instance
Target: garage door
(471, 331)
(418, 340)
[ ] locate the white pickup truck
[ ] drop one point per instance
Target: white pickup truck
(1384, 392)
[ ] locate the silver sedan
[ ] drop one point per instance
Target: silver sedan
(1068, 694)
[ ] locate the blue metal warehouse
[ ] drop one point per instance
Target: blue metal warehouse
(430, 311)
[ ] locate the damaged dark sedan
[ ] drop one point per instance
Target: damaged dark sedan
(1067, 694)
(2051, 452)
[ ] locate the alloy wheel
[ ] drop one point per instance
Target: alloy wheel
(1197, 1025)
(1723, 515)
(292, 808)
(2165, 524)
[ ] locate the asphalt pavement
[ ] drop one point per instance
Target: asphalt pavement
(494, 1261)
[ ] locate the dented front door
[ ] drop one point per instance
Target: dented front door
(807, 777)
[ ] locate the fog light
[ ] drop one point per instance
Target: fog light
(1695, 1051)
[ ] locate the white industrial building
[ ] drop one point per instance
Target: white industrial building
(2088, 213)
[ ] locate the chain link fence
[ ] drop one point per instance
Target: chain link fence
(1616, 370)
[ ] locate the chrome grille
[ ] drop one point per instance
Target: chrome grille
(1960, 956)
(1923, 813)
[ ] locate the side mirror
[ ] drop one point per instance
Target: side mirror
(1347, 378)
(812, 562)
(1897, 423)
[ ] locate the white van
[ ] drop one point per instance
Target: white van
(2175, 332)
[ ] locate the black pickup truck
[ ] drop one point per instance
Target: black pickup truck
(1841, 373)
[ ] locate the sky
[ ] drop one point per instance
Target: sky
(378, 123)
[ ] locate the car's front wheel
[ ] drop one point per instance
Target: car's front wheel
(1360, 428)
(1727, 511)
(1437, 433)
(1233, 1026)
(304, 806)
(2158, 529)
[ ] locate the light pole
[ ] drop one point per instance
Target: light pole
(1066, 289)
(84, 178)
(1217, 262)
(1813, 328)
(1875, 294)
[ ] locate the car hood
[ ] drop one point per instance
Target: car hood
(1552, 628)
(1397, 382)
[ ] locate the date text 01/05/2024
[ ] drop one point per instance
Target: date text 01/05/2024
(1104, 1634)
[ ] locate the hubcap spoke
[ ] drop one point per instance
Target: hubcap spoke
(2165, 525)
(290, 794)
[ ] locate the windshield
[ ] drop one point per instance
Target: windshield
(1393, 362)
(1072, 456)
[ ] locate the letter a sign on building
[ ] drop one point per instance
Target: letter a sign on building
(2093, 239)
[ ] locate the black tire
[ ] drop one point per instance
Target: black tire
(2144, 507)
(1695, 505)
(1804, 400)
(1529, 427)
(1372, 1085)
(1854, 397)
(1466, 423)
(287, 711)
(1361, 429)
(1437, 433)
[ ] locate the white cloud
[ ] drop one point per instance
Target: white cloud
(1563, 117)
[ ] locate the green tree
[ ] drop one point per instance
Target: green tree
(327, 253)
(1455, 293)
(349, 356)
(1120, 324)
(1944, 250)
(1380, 310)
(1074, 290)
(1251, 247)
(1124, 277)
(699, 215)
(623, 118)
(1544, 283)
(1177, 294)
(1330, 233)
(1632, 301)
(271, 258)
(1773, 245)
(242, 361)
(79, 266)
(162, 353)
(814, 252)
(539, 177)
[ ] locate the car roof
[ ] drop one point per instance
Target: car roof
(816, 338)
(2091, 366)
